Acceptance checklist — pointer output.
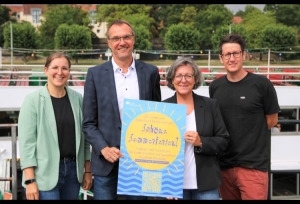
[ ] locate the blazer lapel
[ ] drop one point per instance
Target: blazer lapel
(111, 86)
(76, 109)
(141, 80)
(199, 113)
(49, 112)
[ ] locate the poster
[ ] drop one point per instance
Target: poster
(153, 147)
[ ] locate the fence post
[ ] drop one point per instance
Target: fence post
(208, 59)
(269, 62)
(0, 57)
(14, 162)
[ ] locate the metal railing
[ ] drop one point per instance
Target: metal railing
(212, 72)
(14, 178)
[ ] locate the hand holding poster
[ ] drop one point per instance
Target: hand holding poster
(153, 147)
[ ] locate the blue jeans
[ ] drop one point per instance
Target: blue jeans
(194, 194)
(105, 187)
(67, 187)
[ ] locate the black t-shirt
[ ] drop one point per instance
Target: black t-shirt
(244, 105)
(65, 126)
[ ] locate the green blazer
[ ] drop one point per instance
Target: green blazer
(38, 139)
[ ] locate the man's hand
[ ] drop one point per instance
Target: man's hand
(111, 154)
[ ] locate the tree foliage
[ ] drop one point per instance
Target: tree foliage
(224, 30)
(110, 12)
(4, 17)
(240, 13)
(24, 36)
(278, 36)
(288, 14)
(270, 7)
(4, 14)
(206, 22)
(72, 37)
(255, 21)
(142, 38)
(135, 14)
(61, 39)
(57, 14)
(139, 20)
(182, 37)
(188, 15)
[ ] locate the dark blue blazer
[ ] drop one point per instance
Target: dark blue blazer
(101, 118)
(214, 136)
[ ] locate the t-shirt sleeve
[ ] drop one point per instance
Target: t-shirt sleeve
(270, 100)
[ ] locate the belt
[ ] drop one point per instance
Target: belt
(68, 158)
(247, 165)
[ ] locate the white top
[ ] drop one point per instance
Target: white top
(190, 178)
(126, 84)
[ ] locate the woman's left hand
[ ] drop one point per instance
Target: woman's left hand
(192, 137)
(87, 181)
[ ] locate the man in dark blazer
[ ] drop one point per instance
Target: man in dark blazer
(105, 88)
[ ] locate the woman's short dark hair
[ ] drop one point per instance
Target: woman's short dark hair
(181, 62)
(56, 55)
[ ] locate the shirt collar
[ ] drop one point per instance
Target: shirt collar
(115, 66)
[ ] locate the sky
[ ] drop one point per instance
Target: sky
(236, 7)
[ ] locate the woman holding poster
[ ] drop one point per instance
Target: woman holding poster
(206, 134)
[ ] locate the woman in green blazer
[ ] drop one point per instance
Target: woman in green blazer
(54, 155)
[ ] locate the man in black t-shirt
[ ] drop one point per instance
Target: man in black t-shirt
(249, 107)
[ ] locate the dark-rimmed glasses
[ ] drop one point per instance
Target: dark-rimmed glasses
(235, 55)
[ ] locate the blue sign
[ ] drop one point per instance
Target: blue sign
(153, 147)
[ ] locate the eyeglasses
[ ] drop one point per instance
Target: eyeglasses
(228, 55)
(118, 39)
(188, 77)
(56, 69)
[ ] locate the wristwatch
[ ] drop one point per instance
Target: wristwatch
(198, 149)
(29, 181)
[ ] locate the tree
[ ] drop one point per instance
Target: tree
(4, 14)
(188, 15)
(136, 14)
(206, 22)
(255, 21)
(137, 20)
(4, 17)
(224, 30)
(169, 14)
(288, 14)
(57, 14)
(278, 36)
(24, 36)
(110, 12)
(62, 35)
(182, 37)
(270, 7)
(240, 13)
(73, 37)
(166, 15)
(142, 38)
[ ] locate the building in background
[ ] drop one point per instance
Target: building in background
(33, 13)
